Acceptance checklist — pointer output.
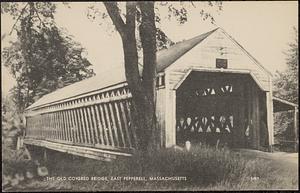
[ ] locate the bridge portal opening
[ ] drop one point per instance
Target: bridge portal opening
(221, 109)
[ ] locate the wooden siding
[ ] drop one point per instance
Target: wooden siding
(170, 115)
(160, 113)
(100, 120)
(217, 45)
(100, 115)
(203, 57)
(270, 118)
(93, 153)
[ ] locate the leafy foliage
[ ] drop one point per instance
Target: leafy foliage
(179, 10)
(286, 87)
(11, 123)
(163, 11)
(286, 83)
(162, 40)
(44, 57)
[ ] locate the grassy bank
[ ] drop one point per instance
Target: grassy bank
(204, 168)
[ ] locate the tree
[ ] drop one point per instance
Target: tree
(10, 117)
(286, 82)
(143, 16)
(44, 57)
(286, 87)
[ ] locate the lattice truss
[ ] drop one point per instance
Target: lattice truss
(205, 124)
(206, 119)
(226, 89)
(102, 119)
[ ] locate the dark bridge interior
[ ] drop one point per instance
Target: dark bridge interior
(216, 108)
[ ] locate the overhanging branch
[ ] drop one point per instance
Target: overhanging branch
(38, 16)
(18, 18)
(113, 12)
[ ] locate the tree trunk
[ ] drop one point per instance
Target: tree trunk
(148, 39)
(142, 88)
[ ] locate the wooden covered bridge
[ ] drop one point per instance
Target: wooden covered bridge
(208, 88)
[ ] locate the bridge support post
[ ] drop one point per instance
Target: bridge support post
(296, 129)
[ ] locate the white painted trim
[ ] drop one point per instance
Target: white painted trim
(119, 85)
(82, 104)
(285, 102)
(170, 114)
(54, 145)
(160, 73)
(258, 83)
(166, 106)
(79, 96)
(269, 117)
(238, 71)
(173, 125)
(183, 79)
(271, 110)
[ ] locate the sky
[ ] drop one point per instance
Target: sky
(262, 28)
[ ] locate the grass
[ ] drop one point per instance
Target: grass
(205, 168)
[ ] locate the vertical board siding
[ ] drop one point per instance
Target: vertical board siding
(160, 113)
(61, 129)
(105, 127)
(118, 117)
(51, 126)
(62, 123)
(78, 126)
(92, 127)
(31, 128)
(46, 123)
(95, 127)
(41, 129)
(87, 121)
(56, 126)
(100, 127)
(87, 126)
(75, 125)
(70, 124)
(113, 124)
(125, 123)
(65, 125)
(83, 128)
(108, 123)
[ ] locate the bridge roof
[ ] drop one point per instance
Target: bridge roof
(115, 76)
(283, 105)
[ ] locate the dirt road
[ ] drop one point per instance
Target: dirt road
(284, 160)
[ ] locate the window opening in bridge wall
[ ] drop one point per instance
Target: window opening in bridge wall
(163, 80)
(160, 81)
(221, 63)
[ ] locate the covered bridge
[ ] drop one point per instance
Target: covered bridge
(208, 88)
